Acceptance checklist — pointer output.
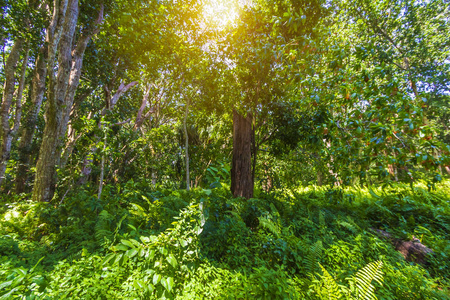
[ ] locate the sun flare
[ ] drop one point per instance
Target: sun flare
(221, 13)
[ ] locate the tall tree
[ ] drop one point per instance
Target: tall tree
(6, 133)
(62, 88)
(257, 52)
(45, 54)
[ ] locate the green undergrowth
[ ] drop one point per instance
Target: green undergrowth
(141, 242)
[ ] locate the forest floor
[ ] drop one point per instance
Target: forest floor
(141, 242)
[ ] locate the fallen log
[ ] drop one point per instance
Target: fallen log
(413, 250)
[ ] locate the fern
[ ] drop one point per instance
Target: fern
(270, 226)
(364, 278)
(382, 208)
(322, 222)
(361, 284)
(102, 228)
(331, 289)
(350, 225)
(313, 257)
(375, 195)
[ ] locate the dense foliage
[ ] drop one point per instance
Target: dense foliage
(229, 149)
(300, 243)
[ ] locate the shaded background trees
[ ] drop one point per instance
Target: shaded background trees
(340, 93)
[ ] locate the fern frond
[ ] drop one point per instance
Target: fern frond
(269, 225)
(102, 227)
(331, 289)
(364, 278)
(350, 225)
(313, 257)
(322, 222)
(383, 208)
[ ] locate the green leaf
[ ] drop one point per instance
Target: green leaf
(163, 250)
(374, 194)
(33, 268)
(172, 260)
(150, 254)
(156, 278)
(8, 294)
(127, 243)
(169, 283)
(131, 253)
(108, 258)
(121, 247)
(5, 284)
(365, 276)
(118, 258)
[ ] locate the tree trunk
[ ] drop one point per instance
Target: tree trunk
(60, 100)
(254, 153)
(44, 62)
(102, 168)
(29, 124)
(241, 170)
(18, 113)
(8, 94)
(319, 178)
(186, 145)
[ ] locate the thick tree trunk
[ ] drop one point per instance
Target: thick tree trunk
(61, 97)
(60, 103)
(18, 115)
(241, 170)
(44, 62)
(8, 94)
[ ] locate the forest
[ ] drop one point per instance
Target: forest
(234, 149)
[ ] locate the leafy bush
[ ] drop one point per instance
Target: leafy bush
(145, 243)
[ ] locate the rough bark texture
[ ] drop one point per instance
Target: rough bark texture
(30, 120)
(18, 115)
(45, 61)
(140, 118)
(60, 102)
(8, 94)
(61, 96)
(241, 170)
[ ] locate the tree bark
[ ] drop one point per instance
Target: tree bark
(140, 118)
(8, 94)
(44, 186)
(44, 62)
(60, 101)
(241, 170)
(186, 145)
(30, 120)
(102, 169)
